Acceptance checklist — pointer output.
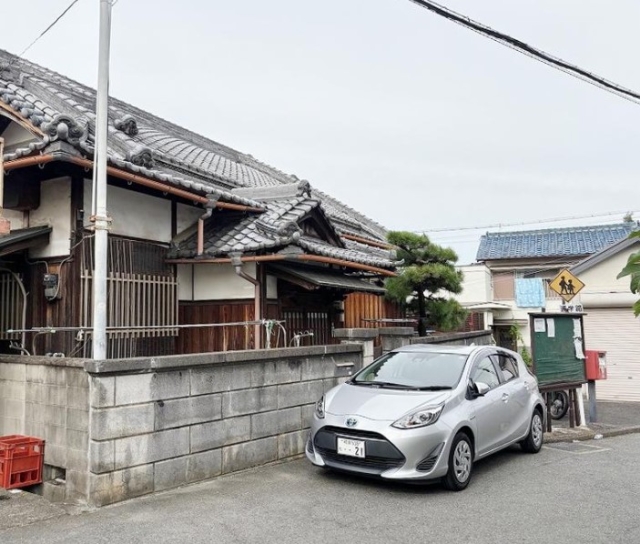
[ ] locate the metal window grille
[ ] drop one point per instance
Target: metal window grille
(11, 303)
(142, 299)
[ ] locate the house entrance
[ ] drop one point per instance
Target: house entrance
(504, 338)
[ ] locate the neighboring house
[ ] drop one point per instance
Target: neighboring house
(514, 270)
(609, 323)
(200, 234)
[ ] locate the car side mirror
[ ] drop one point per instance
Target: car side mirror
(478, 389)
(482, 389)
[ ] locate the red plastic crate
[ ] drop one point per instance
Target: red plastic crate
(21, 460)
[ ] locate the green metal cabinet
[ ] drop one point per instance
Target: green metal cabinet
(557, 347)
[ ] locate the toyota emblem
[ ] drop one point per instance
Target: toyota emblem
(351, 422)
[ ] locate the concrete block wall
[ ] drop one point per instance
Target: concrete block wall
(165, 422)
(49, 398)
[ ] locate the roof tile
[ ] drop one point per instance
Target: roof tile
(557, 242)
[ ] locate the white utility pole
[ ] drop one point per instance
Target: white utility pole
(101, 221)
(5, 225)
(1, 175)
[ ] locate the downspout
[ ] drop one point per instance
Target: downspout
(5, 226)
(210, 205)
(236, 262)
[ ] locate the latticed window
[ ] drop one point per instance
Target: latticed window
(142, 298)
(11, 306)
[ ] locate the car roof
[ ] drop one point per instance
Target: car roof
(440, 348)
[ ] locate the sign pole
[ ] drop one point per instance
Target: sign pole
(593, 410)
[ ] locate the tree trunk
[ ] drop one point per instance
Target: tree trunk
(422, 314)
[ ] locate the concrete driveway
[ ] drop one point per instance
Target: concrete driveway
(582, 493)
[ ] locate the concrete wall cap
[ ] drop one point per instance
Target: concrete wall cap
(178, 362)
(66, 362)
(396, 331)
(355, 334)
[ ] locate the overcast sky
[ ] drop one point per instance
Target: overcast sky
(418, 123)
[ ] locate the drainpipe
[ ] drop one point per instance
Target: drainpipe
(236, 262)
(5, 226)
(210, 205)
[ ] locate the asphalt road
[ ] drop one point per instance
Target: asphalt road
(569, 493)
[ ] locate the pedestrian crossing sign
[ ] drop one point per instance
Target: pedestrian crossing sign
(566, 285)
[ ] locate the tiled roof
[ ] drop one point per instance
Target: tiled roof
(558, 242)
(146, 144)
(326, 277)
(318, 247)
(19, 239)
(276, 230)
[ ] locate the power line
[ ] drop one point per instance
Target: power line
(530, 51)
(17, 58)
(523, 223)
(73, 3)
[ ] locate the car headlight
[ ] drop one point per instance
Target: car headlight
(320, 408)
(420, 418)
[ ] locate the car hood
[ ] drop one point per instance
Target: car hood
(379, 404)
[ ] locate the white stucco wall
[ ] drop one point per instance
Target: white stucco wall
(16, 136)
(187, 216)
(134, 214)
(214, 282)
(476, 286)
(54, 210)
(602, 287)
(16, 218)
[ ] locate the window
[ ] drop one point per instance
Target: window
(508, 367)
(485, 372)
(415, 369)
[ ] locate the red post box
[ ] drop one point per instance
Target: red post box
(596, 364)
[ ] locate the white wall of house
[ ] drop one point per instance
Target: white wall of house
(16, 136)
(476, 286)
(218, 282)
(602, 287)
(610, 325)
(134, 214)
(187, 216)
(54, 210)
(16, 218)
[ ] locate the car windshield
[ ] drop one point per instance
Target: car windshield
(413, 370)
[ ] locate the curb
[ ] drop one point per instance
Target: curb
(589, 434)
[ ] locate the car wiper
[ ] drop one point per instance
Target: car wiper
(389, 385)
(395, 385)
(433, 388)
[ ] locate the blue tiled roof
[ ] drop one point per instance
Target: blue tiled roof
(558, 242)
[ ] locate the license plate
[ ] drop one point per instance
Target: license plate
(352, 448)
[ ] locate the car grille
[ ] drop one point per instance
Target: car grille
(430, 460)
(381, 454)
(427, 464)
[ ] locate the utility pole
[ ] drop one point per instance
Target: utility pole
(5, 225)
(100, 218)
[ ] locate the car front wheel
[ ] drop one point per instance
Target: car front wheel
(460, 463)
(533, 442)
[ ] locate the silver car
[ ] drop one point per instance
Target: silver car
(426, 412)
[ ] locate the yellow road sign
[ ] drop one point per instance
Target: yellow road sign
(566, 285)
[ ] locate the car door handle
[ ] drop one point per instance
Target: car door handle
(505, 397)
